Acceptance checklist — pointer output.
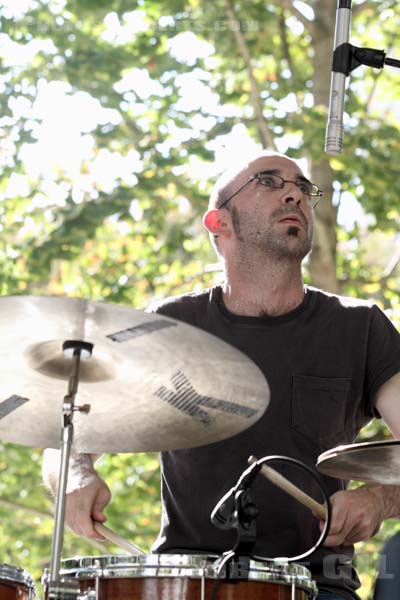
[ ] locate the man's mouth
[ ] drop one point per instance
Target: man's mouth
(291, 219)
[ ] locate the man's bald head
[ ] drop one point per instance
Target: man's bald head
(236, 175)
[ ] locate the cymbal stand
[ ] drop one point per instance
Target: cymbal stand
(77, 350)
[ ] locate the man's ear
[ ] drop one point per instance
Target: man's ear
(213, 223)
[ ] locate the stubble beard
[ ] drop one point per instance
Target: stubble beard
(288, 244)
(292, 243)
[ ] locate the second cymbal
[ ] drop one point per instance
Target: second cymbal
(374, 462)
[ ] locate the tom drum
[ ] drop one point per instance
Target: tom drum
(15, 584)
(181, 577)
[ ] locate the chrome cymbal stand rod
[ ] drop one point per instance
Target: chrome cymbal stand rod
(76, 350)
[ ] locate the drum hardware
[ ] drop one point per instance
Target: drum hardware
(287, 486)
(187, 577)
(16, 583)
(225, 515)
(237, 510)
(370, 462)
(76, 350)
(324, 511)
(63, 589)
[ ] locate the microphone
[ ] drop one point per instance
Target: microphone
(340, 70)
(223, 512)
(223, 515)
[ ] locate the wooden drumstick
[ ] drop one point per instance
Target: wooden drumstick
(116, 539)
(288, 487)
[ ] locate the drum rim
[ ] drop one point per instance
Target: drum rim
(112, 566)
(16, 575)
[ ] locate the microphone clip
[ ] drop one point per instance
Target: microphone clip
(236, 510)
(347, 57)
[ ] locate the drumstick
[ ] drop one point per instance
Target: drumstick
(116, 539)
(288, 487)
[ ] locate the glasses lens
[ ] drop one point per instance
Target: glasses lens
(276, 181)
(306, 187)
(311, 189)
(271, 181)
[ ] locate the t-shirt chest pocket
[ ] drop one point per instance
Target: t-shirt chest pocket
(318, 409)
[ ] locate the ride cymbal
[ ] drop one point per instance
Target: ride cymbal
(153, 383)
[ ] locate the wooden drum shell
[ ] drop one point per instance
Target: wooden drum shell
(15, 584)
(182, 577)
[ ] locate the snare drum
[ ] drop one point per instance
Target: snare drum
(15, 584)
(183, 577)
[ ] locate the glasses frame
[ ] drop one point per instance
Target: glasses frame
(257, 176)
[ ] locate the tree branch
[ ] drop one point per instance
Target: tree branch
(32, 511)
(43, 515)
(358, 9)
(265, 133)
(381, 281)
(375, 76)
(391, 265)
(284, 41)
(288, 5)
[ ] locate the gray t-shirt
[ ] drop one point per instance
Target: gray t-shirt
(324, 363)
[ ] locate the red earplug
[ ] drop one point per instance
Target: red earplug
(212, 221)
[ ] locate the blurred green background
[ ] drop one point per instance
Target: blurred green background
(116, 118)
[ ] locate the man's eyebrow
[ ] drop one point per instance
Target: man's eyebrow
(302, 178)
(279, 172)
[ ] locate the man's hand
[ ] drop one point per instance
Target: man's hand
(87, 494)
(356, 515)
(85, 505)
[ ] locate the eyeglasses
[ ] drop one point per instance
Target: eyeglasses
(274, 182)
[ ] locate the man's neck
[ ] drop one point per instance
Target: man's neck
(272, 290)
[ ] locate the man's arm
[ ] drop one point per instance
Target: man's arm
(87, 494)
(388, 404)
(358, 514)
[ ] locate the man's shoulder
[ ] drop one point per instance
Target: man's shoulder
(186, 307)
(338, 301)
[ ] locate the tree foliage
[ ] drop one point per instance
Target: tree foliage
(167, 86)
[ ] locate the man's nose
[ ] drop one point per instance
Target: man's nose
(292, 194)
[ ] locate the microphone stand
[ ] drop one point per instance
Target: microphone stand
(244, 522)
(239, 512)
(346, 58)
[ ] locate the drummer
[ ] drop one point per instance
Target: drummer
(332, 364)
